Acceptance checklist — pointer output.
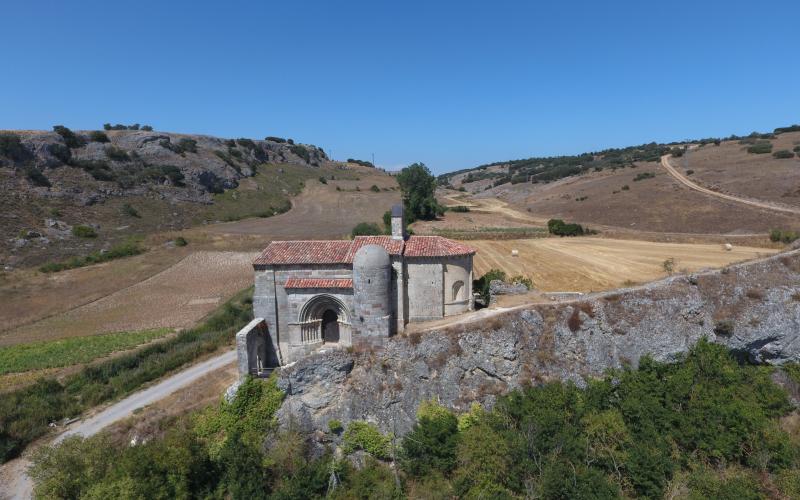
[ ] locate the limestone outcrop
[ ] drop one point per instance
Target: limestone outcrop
(752, 308)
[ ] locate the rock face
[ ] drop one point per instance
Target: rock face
(752, 308)
(499, 287)
(182, 167)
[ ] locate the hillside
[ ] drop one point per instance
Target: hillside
(629, 189)
(122, 183)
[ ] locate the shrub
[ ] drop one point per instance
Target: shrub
(70, 138)
(668, 266)
(187, 145)
(147, 128)
(521, 280)
(37, 177)
(363, 163)
(12, 148)
(375, 189)
(644, 175)
(366, 229)
(98, 136)
(559, 228)
(127, 209)
(481, 285)
(82, 231)
(275, 139)
(335, 426)
(778, 235)
(301, 151)
(117, 154)
(180, 241)
(783, 154)
(689, 172)
(459, 208)
(322, 179)
(796, 149)
(98, 169)
(125, 249)
(790, 128)
(625, 187)
(247, 144)
(431, 444)
(760, 148)
(211, 182)
(366, 436)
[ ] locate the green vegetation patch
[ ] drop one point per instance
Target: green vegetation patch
(127, 249)
(760, 148)
(26, 413)
(782, 235)
(71, 351)
(783, 154)
(492, 233)
(266, 194)
(706, 426)
(560, 228)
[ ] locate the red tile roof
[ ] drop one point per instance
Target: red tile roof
(318, 283)
(435, 246)
(393, 247)
(304, 252)
(342, 252)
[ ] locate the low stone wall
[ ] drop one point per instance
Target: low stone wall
(752, 308)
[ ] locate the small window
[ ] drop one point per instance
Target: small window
(457, 287)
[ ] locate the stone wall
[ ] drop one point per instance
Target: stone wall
(457, 270)
(752, 308)
(425, 294)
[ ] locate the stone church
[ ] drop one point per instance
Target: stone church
(315, 294)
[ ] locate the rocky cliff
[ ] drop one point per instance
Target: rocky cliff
(129, 182)
(752, 308)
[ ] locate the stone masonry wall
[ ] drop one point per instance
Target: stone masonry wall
(752, 308)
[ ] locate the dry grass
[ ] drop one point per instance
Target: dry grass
(592, 264)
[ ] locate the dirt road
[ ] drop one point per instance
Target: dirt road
(17, 484)
(753, 203)
(592, 264)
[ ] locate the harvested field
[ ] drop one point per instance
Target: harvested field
(174, 298)
(591, 264)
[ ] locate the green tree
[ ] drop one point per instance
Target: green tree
(431, 444)
(418, 186)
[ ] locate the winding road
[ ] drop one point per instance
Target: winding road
(16, 485)
(691, 185)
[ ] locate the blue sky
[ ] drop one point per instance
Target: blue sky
(451, 84)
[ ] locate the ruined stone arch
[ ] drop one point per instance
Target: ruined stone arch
(314, 309)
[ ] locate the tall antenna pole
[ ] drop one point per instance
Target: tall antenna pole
(373, 159)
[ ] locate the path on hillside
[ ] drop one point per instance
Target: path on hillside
(691, 185)
(13, 475)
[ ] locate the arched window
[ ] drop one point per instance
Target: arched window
(457, 287)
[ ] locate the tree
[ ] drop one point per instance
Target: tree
(418, 186)
(366, 229)
(431, 444)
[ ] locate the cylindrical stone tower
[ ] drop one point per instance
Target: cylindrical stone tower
(371, 305)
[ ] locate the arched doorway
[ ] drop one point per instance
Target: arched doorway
(330, 326)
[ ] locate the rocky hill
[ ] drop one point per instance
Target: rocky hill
(752, 308)
(53, 181)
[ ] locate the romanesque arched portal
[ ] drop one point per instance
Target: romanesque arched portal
(321, 319)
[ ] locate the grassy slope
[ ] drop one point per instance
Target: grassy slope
(65, 352)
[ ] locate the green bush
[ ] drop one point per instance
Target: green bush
(431, 444)
(375, 189)
(70, 138)
(625, 187)
(689, 172)
(187, 145)
(12, 148)
(117, 154)
(560, 228)
(36, 177)
(130, 211)
(126, 249)
(335, 426)
(275, 139)
(459, 208)
(644, 175)
(82, 231)
(98, 136)
(366, 229)
(521, 280)
(790, 128)
(481, 285)
(783, 154)
(779, 235)
(322, 179)
(760, 148)
(366, 436)
(180, 241)
(301, 151)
